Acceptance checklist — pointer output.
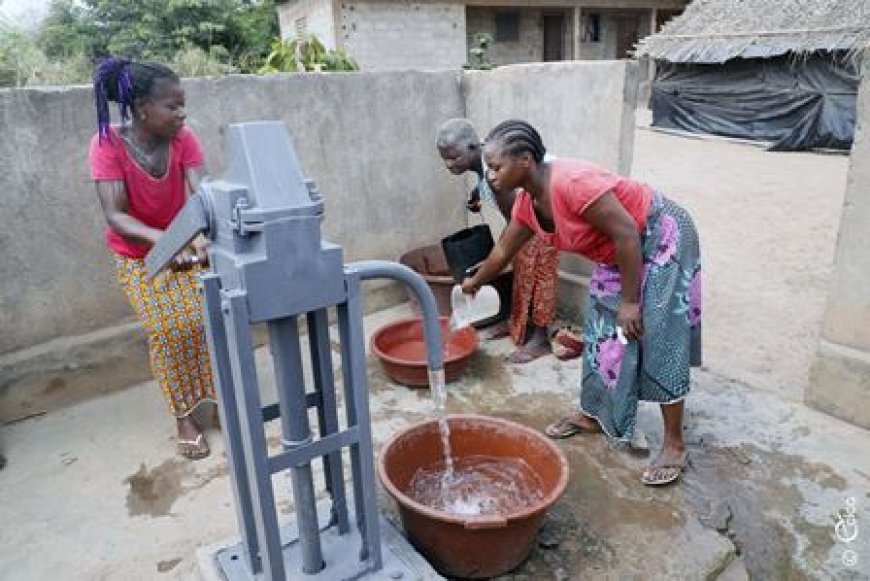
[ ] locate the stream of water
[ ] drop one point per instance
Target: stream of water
(471, 485)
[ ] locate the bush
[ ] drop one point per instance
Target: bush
(20, 58)
(306, 54)
(192, 61)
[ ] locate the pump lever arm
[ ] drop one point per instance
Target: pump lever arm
(190, 221)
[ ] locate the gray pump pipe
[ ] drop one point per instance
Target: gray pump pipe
(369, 269)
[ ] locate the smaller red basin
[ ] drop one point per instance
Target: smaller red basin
(402, 350)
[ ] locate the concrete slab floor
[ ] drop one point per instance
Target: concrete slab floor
(95, 491)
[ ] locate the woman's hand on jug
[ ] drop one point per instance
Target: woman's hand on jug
(469, 287)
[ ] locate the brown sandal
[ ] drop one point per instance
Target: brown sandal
(567, 337)
(563, 353)
(195, 449)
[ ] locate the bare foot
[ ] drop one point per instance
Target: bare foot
(500, 331)
(529, 352)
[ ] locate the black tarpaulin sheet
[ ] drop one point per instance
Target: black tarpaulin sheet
(794, 103)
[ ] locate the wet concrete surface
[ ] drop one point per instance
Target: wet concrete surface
(96, 491)
(748, 507)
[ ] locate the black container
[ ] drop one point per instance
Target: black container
(466, 249)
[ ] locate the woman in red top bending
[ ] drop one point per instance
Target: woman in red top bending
(143, 173)
(642, 329)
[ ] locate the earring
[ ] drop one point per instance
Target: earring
(142, 117)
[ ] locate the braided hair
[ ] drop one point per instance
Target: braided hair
(124, 82)
(514, 137)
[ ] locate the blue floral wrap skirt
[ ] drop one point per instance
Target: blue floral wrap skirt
(617, 375)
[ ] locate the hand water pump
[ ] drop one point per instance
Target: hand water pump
(270, 265)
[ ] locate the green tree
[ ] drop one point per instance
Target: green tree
(65, 31)
(160, 29)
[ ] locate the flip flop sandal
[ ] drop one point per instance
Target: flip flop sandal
(665, 474)
(570, 339)
(195, 449)
(565, 428)
(563, 353)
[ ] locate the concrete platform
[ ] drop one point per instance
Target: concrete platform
(400, 562)
(95, 491)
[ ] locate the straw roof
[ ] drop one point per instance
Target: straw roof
(714, 31)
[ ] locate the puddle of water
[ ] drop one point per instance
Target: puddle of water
(168, 565)
(153, 492)
(772, 537)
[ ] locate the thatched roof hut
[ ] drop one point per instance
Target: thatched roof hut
(715, 31)
(780, 71)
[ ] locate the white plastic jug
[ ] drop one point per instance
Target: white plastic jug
(467, 310)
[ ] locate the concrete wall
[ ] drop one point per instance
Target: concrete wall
(562, 105)
(840, 377)
(55, 275)
(384, 36)
(366, 138)
(319, 19)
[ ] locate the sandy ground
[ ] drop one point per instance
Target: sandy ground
(768, 224)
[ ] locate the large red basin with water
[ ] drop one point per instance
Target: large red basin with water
(402, 351)
(472, 547)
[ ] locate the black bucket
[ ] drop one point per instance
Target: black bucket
(466, 249)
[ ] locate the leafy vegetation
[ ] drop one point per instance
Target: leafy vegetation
(479, 52)
(306, 54)
(195, 37)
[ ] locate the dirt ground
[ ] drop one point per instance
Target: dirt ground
(768, 223)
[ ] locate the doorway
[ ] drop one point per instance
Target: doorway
(627, 34)
(554, 35)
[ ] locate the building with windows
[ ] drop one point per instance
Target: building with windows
(398, 34)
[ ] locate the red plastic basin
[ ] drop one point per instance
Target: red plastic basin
(472, 547)
(402, 351)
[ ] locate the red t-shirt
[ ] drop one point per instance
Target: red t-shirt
(574, 186)
(152, 201)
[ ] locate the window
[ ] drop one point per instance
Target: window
(592, 28)
(507, 26)
(301, 26)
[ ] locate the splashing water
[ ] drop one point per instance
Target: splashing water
(477, 485)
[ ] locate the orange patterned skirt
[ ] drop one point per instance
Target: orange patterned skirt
(170, 310)
(536, 268)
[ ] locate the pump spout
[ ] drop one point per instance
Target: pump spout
(369, 269)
